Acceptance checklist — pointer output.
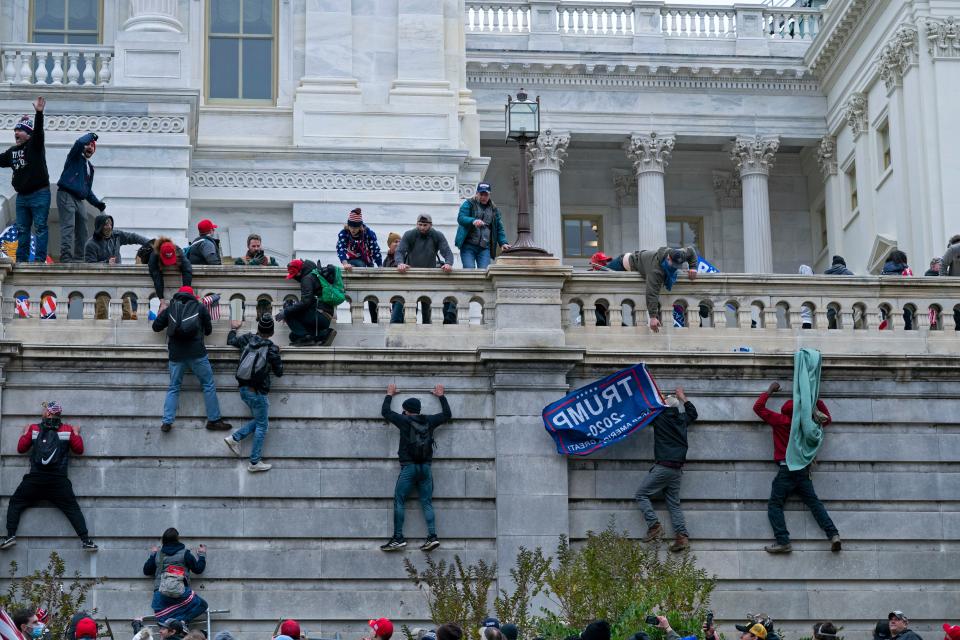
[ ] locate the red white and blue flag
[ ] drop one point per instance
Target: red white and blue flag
(48, 307)
(8, 630)
(23, 306)
(212, 303)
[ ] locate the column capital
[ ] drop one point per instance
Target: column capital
(728, 189)
(153, 15)
(549, 150)
(855, 113)
(943, 37)
(649, 152)
(827, 156)
(898, 55)
(754, 154)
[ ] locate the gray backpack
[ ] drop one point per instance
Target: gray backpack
(171, 579)
(253, 364)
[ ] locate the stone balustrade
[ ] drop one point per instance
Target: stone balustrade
(698, 22)
(792, 23)
(85, 65)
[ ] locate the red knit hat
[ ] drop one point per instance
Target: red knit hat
(290, 628)
(86, 628)
(355, 219)
(293, 268)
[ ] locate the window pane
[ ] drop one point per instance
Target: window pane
(590, 237)
(224, 68)
(46, 38)
(258, 16)
(83, 15)
(82, 38)
(257, 69)
(674, 234)
(49, 14)
(225, 16)
(571, 236)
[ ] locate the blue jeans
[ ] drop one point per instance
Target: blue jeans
(204, 372)
(798, 482)
(422, 476)
(474, 256)
(260, 408)
(32, 212)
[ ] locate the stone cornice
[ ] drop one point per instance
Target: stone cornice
(754, 154)
(855, 113)
(827, 156)
(315, 180)
(649, 152)
(943, 37)
(842, 18)
(897, 55)
(549, 150)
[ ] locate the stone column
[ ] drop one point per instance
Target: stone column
(546, 157)
(650, 155)
(153, 15)
(753, 156)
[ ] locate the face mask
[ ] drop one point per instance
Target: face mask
(37, 631)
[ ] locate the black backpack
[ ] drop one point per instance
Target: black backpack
(144, 253)
(184, 321)
(421, 442)
(48, 453)
(253, 367)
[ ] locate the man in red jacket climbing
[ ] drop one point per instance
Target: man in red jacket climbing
(789, 482)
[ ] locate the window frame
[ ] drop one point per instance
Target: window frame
(695, 221)
(31, 30)
(275, 52)
(850, 212)
(582, 217)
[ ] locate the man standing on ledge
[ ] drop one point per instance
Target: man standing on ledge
(28, 159)
(416, 456)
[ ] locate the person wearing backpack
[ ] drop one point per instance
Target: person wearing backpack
(186, 321)
(50, 444)
(171, 565)
(205, 248)
(416, 456)
(321, 290)
(258, 356)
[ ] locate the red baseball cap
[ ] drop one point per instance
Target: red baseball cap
(290, 628)
(168, 253)
(293, 268)
(86, 628)
(953, 633)
(186, 289)
(205, 226)
(382, 628)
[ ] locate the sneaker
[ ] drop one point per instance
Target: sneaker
(326, 342)
(653, 533)
(219, 425)
(89, 545)
(394, 544)
(778, 548)
(430, 544)
(233, 445)
(682, 543)
(835, 543)
(8, 542)
(260, 466)
(165, 427)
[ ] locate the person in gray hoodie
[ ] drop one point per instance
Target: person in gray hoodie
(105, 244)
(838, 267)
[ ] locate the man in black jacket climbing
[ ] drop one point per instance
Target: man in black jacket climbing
(309, 318)
(666, 474)
(416, 456)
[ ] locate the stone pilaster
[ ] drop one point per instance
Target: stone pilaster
(546, 157)
(855, 113)
(827, 156)
(650, 155)
(754, 157)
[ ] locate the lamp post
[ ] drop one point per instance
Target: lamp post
(522, 120)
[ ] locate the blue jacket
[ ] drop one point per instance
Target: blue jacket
(74, 179)
(465, 218)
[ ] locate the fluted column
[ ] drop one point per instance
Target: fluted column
(153, 15)
(650, 155)
(546, 157)
(754, 156)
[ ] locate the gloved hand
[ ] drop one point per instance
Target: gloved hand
(279, 317)
(102, 206)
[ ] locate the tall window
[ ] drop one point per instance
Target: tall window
(66, 21)
(582, 236)
(852, 186)
(240, 50)
(683, 231)
(822, 215)
(883, 142)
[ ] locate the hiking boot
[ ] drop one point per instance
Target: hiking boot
(166, 426)
(430, 544)
(301, 341)
(260, 466)
(654, 532)
(682, 543)
(233, 445)
(394, 544)
(326, 342)
(835, 543)
(89, 545)
(8, 542)
(219, 425)
(779, 548)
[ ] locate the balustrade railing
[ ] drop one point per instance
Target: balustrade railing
(595, 19)
(698, 22)
(792, 24)
(498, 17)
(56, 64)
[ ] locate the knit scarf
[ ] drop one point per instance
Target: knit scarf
(670, 272)
(358, 245)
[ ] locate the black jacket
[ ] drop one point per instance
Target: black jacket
(28, 161)
(309, 292)
(205, 250)
(670, 433)
(156, 270)
(838, 270)
(255, 342)
(907, 634)
(100, 249)
(188, 349)
(405, 424)
(77, 176)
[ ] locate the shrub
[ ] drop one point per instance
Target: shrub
(456, 592)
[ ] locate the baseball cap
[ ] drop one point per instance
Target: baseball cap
(490, 622)
(186, 289)
(382, 627)
(425, 217)
(677, 256)
(86, 628)
(483, 187)
(755, 628)
(168, 253)
(293, 268)
(176, 625)
(896, 614)
(205, 226)
(290, 628)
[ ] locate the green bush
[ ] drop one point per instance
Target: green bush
(456, 592)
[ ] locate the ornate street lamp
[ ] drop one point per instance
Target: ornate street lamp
(522, 123)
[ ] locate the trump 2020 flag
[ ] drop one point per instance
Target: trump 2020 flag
(603, 412)
(706, 267)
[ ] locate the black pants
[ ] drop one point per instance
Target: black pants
(788, 482)
(308, 323)
(42, 486)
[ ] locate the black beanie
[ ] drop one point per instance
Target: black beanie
(596, 630)
(510, 631)
(265, 324)
(839, 260)
(412, 405)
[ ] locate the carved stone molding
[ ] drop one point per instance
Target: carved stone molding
(943, 37)
(153, 15)
(528, 294)
(855, 113)
(104, 124)
(313, 180)
(835, 34)
(548, 151)
(897, 56)
(728, 188)
(827, 156)
(466, 190)
(754, 154)
(624, 185)
(650, 152)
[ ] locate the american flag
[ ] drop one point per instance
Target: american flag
(48, 307)
(212, 303)
(8, 630)
(679, 316)
(23, 306)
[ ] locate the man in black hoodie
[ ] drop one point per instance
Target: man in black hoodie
(666, 474)
(309, 318)
(186, 322)
(31, 181)
(838, 267)
(416, 456)
(104, 246)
